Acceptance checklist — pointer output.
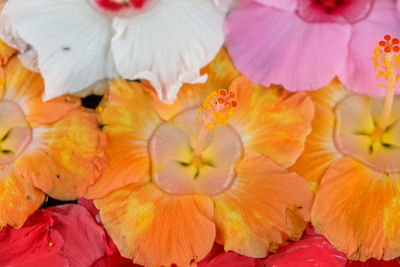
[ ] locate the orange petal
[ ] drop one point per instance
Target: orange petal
(320, 150)
(25, 88)
(65, 158)
(272, 121)
(6, 52)
(221, 73)
(156, 229)
(2, 81)
(265, 208)
(129, 120)
(18, 199)
(328, 96)
(357, 209)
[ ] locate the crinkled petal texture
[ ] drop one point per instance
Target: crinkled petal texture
(320, 150)
(259, 209)
(191, 36)
(59, 236)
(358, 74)
(157, 229)
(129, 120)
(265, 42)
(272, 121)
(18, 199)
(72, 53)
(265, 208)
(356, 208)
(66, 152)
(64, 159)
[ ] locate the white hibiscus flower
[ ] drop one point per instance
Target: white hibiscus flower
(77, 44)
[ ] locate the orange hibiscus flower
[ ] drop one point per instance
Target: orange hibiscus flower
(52, 147)
(165, 200)
(352, 162)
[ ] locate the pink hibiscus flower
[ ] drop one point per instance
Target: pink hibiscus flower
(304, 44)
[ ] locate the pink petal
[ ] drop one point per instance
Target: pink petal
(289, 5)
(358, 74)
(311, 250)
(276, 46)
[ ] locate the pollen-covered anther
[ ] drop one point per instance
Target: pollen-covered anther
(389, 44)
(387, 60)
(217, 109)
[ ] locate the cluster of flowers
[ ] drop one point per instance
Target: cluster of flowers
(195, 143)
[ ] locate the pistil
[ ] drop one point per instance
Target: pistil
(387, 62)
(217, 109)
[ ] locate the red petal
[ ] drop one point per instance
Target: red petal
(84, 238)
(219, 258)
(35, 244)
(311, 250)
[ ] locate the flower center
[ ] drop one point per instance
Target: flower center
(122, 8)
(357, 121)
(329, 6)
(177, 169)
(336, 11)
(15, 132)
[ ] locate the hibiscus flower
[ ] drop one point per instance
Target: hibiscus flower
(77, 44)
(165, 199)
(304, 44)
(352, 161)
(52, 147)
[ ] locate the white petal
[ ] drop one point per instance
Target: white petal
(226, 5)
(169, 44)
(71, 41)
(29, 59)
